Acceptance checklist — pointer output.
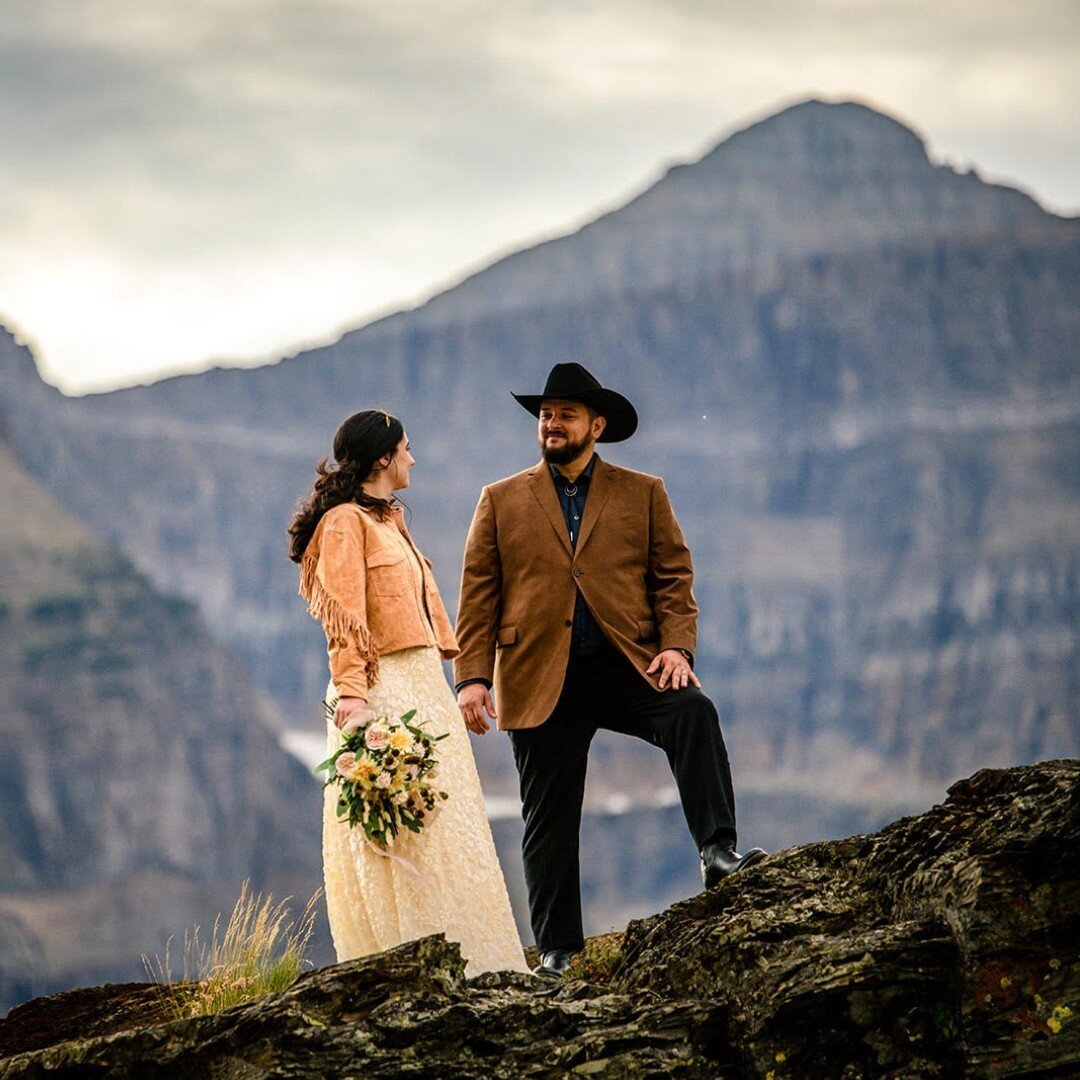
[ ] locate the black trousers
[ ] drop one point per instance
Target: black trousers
(606, 692)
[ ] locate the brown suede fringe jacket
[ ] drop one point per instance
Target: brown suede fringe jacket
(357, 578)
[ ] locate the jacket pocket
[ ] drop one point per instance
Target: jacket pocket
(647, 631)
(387, 572)
(507, 635)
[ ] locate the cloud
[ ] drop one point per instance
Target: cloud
(191, 150)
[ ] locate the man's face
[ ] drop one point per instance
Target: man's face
(567, 429)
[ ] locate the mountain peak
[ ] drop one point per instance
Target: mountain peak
(819, 138)
(816, 178)
(813, 154)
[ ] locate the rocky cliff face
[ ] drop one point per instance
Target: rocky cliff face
(946, 945)
(139, 782)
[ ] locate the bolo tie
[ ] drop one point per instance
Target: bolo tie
(571, 491)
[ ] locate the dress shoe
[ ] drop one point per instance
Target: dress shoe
(554, 962)
(718, 861)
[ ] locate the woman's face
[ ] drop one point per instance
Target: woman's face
(397, 471)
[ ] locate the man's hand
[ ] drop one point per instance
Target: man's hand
(674, 668)
(474, 701)
(352, 713)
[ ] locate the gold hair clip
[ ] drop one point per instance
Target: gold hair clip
(386, 415)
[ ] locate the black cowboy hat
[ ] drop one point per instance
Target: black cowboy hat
(571, 382)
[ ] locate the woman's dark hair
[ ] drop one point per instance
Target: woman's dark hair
(359, 443)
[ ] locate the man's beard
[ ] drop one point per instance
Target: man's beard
(566, 452)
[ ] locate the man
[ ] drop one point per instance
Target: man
(576, 606)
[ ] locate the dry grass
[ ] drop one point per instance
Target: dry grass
(259, 952)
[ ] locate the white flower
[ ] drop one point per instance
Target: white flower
(401, 798)
(383, 780)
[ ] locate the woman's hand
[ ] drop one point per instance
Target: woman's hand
(352, 713)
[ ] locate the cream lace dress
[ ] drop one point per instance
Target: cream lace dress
(374, 902)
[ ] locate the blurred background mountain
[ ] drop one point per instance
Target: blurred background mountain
(139, 779)
(858, 372)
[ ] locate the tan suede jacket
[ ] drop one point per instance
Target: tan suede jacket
(358, 579)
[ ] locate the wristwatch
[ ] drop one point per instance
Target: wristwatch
(689, 656)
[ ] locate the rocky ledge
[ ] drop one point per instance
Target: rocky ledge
(945, 945)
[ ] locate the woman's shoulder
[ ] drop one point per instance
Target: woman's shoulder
(343, 518)
(353, 518)
(345, 514)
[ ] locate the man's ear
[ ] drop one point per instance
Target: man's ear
(598, 425)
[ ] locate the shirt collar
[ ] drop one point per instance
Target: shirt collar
(585, 474)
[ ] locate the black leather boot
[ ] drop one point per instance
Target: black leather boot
(554, 962)
(720, 860)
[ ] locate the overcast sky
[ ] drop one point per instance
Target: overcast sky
(197, 181)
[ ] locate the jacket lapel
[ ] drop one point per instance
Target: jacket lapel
(599, 492)
(541, 486)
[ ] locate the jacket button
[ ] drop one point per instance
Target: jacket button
(569, 622)
(577, 572)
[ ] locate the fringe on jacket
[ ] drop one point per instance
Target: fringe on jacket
(338, 621)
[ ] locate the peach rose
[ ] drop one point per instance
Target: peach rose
(346, 765)
(376, 738)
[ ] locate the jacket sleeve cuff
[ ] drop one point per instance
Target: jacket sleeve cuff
(680, 646)
(351, 689)
(466, 682)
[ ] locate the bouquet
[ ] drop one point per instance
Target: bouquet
(385, 772)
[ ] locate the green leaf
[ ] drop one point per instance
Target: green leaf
(408, 716)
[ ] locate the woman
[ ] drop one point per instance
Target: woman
(386, 629)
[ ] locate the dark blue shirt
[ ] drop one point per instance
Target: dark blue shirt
(586, 637)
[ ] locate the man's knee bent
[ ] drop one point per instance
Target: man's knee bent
(694, 711)
(694, 703)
